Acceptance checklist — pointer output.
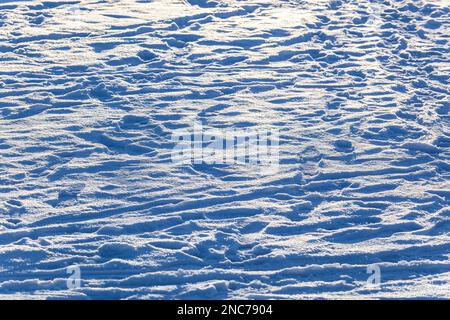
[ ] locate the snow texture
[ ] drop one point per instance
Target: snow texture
(91, 91)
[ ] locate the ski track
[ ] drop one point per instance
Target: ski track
(358, 89)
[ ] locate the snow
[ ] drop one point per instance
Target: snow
(91, 93)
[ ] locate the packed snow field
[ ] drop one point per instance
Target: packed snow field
(91, 92)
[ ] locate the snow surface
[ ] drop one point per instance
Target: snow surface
(91, 91)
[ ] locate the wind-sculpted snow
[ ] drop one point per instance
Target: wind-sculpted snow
(91, 92)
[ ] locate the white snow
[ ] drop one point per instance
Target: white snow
(92, 91)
